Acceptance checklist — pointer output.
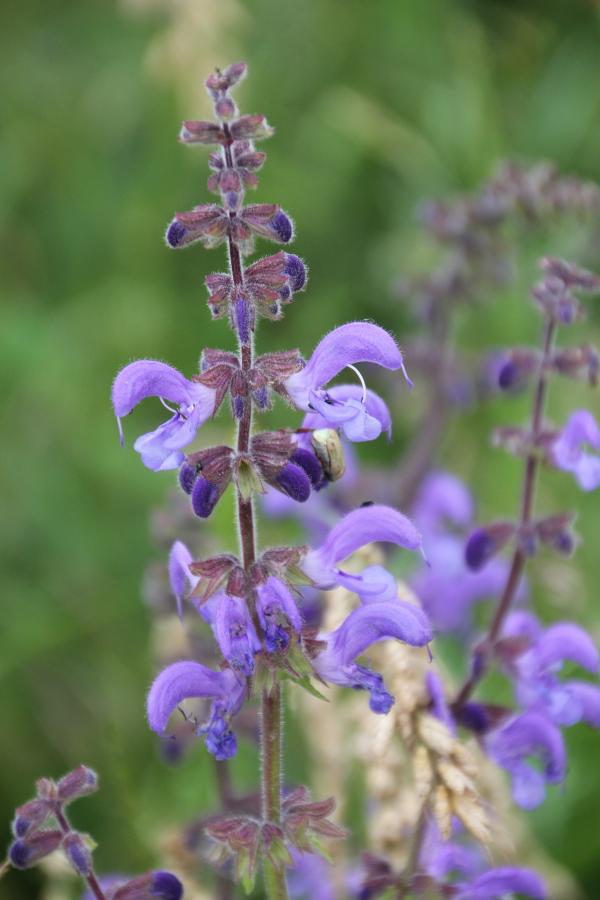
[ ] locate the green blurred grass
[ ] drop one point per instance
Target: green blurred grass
(376, 105)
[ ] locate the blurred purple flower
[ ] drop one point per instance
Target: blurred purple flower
(567, 451)
(530, 734)
(535, 671)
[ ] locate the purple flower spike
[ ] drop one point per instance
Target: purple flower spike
(184, 680)
(363, 627)
(277, 613)
(567, 451)
(294, 482)
(360, 527)
(295, 269)
(161, 449)
(530, 734)
(347, 345)
(235, 632)
(497, 883)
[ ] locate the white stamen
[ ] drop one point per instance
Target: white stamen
(170, 408)
(361, 379)
(121, 435)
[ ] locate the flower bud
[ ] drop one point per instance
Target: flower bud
(311, 465)
(485, 542)
(78, 853)
(519, 366)
(29, 817)
(293, 481)
(295, 269)
(152, 886)
(243, 318)
(556, 532)
(205, 496)
(282, 227)
(250, 127)
(187, 477)
(28, 851)
(46, 789)
(225, 108)
(78, 783)
(201, 133)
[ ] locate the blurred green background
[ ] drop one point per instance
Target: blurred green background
(376, 105)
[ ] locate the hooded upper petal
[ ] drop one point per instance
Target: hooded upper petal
(161, 449)
(149, 378)
(500, 882)
(531, 734)
(349, 344)
(360, 527)
(565, 641)
(377, 622)
(184, 680)
(568, 451)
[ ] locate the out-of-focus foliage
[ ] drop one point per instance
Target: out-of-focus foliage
(376, 106)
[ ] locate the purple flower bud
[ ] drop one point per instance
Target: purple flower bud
(261, 397)
(243, 319)
(296, 271)
(152, 886)
(485, 542)
(175, 233)
(205, 497)
(311, 465)
(187, 477)
(281, 225)
(294, 482)
(28, 851)
(78, 783)
(239, 405)
(78, 853)
(29, 816)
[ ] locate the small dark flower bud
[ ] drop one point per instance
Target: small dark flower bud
(78, 783)
(481, 717)
(282, 226)
(187, 477)
(556, 532)
(309, 462)
(571, 275)
(78, 853)
(205, 496)
(28, 851)
(519, 366)
(29, 817)
(175, 233)
(485, 542)
(295, 269)
(293, 481)
(152, 886)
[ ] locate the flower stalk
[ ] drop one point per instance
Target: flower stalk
(519, 558)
